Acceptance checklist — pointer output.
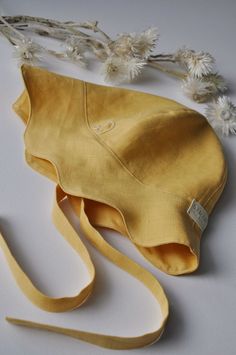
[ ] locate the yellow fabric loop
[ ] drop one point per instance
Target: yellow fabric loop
(41, 300)
(52, 304)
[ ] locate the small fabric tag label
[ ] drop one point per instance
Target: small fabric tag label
(198, 214)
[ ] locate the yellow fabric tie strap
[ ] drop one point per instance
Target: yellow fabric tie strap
(62, 304)
(44, 302)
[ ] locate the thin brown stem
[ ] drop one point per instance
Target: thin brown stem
(174, 73)
(160, 59)
(161, 55)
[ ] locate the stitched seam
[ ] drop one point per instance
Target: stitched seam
(186, 199)
(178, 197)
(217, 191)
(193, 223)
(210, 195)
(99, 139)
(109, 148)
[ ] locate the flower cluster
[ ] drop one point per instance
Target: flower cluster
(135, 45)
(27, 51)
(124, 58)
(128, 55)
(197, 63)
(75, 49)
(118, 70)
(204, 88)
(201, 82)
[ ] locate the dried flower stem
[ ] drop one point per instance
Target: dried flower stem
(7, 35)
(61, 34)
(174, 73)
(56, 29)
(162, 57)
(61, 30)
(68, 25)
(12, 28)
(124, 58)
(58, 34)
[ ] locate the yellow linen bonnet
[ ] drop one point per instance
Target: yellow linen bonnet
(141, 164)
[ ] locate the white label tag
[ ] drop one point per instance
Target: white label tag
(198, 214)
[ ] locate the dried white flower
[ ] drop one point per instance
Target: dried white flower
(75, 49)
(144, 43)
(134, 44)
(197, 63)
(134, 67)
(221, 114)
(26, 51)
(116, 69)
(217, 82)
(200, 64)
(122, 46)
(197, 89)
(183, 53)
(202, 89)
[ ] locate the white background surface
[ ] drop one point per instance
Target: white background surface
(202, 305)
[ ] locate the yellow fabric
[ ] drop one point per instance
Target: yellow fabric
(67, 303)
(126, 160)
